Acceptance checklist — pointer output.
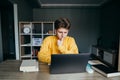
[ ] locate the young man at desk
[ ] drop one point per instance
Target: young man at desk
(60, 43)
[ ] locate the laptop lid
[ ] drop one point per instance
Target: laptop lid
(69, 63)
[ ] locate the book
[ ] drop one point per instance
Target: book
(29, 66)
(94, 62)
(36, 41)
(105, 70)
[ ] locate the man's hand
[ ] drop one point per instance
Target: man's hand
(59, 42)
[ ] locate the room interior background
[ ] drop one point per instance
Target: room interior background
(89, 24)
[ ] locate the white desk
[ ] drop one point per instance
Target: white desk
(9, 70)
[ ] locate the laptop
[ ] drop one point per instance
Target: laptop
(69, 63)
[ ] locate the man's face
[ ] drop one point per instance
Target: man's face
(61, 33)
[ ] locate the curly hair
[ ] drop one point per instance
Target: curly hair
(62, 23)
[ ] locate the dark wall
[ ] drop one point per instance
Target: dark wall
(85, 23)
(7, 24)
(1, 49)
(7, 30)
(25, 12)
(110, 23)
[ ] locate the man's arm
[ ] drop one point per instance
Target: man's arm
(44, 53)
(71, 48)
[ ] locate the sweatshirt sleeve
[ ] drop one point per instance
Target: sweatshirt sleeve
(44, 55)
(71, 47)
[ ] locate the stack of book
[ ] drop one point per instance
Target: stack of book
(29, 66)
(105, 70)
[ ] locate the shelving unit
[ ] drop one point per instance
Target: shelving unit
(108, 58)
(31, 35)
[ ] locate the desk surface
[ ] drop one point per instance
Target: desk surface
(9, 70)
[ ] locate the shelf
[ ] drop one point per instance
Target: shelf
(27, 55)
(31, 38)
(37, 34)
(48, 34)
(26, 44)
(25, 34)
(35, 45)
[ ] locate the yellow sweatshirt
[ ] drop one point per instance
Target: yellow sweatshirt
(49, 46)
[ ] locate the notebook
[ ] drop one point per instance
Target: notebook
(69, 63)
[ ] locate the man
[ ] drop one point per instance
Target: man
(60, 43)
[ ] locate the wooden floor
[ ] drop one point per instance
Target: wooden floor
(9, 70)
